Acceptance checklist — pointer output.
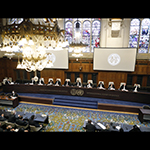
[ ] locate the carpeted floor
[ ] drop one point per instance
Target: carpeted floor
(69, 119)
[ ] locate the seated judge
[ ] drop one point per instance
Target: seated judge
(101, 86)
(136, 87)
(123, 87)
(14, 94)
(50, 82)
(78, 83)
(57, 83)
(111, 87)
(32, 81)
(89, 85)
(41, 81)
(67, 82)
(7, 82)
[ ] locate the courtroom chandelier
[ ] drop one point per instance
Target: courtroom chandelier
(32, 42)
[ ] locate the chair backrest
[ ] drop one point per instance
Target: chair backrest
(138, 85)
(50, 79)
(58, 79)
(122, 83)
(67, 80)
(101, 81)
(79, 80)
(42, 79)
(90, 81)
(10, 79)
(110, 83)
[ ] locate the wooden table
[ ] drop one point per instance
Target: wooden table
(5, 100)
(144, 114)
(139, 97)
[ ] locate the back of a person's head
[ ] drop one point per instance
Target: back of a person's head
(32, 117)
(89, 121)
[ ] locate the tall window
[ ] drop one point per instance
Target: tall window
(68, 33)
(95, 34)
(89, 30)
(134, 32)
(144, 36)
(140, 31)
(86, 34)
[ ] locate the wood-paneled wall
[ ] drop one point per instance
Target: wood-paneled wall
(8, 69)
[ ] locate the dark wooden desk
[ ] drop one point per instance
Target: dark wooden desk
(139, 97)
(144, 114)
(5, 100)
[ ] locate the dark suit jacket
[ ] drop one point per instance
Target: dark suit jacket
(137, 88)
(79, 84)
(2, 118)
(112, 86)
(90, 127)
(59, 83)
(66, 83)
(33, 82)
(122, 86)
(7, 82)
(15, 94)
(21, 122)
(90, 84)
(32, 122)
(51, 82)
(102, 85)
(12, 118)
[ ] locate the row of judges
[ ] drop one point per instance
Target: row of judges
(78, 83)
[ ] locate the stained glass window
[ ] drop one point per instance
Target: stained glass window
(134, 32)
(144, 36)
(86, 34)
(95, 34)
(89, 32)
(68, 33)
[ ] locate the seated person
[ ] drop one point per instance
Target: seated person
(32, 81)
(12, 118)
(50, 82)
(7, 82)
(20, 121)
(67, 83)
(135, 128)
(57, 83)
(101, 86)
(123, 87)
(78, 83)
(89, 85)
(111, 87)
(32, 122)
(90, 127)
(136, 88)
(2, 118)
(14, 94)
(41, 82)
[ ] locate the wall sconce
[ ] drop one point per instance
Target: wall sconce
(80, 68)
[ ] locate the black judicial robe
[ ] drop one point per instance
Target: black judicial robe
(66, 83)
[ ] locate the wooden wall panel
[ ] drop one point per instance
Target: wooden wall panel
(8, 69)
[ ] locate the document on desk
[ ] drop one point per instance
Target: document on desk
(101, 125)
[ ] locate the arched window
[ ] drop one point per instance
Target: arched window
(16, 20)
(95, 34)
(144, 36)
(75, 33)
(89, 32)
(134, 32)
(86, 34)
(68, 33)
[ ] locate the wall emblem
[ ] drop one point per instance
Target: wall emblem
(78, 92)
(114, 59)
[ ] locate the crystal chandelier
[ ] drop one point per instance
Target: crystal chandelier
(32, 42)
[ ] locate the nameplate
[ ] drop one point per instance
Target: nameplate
(103, 94)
